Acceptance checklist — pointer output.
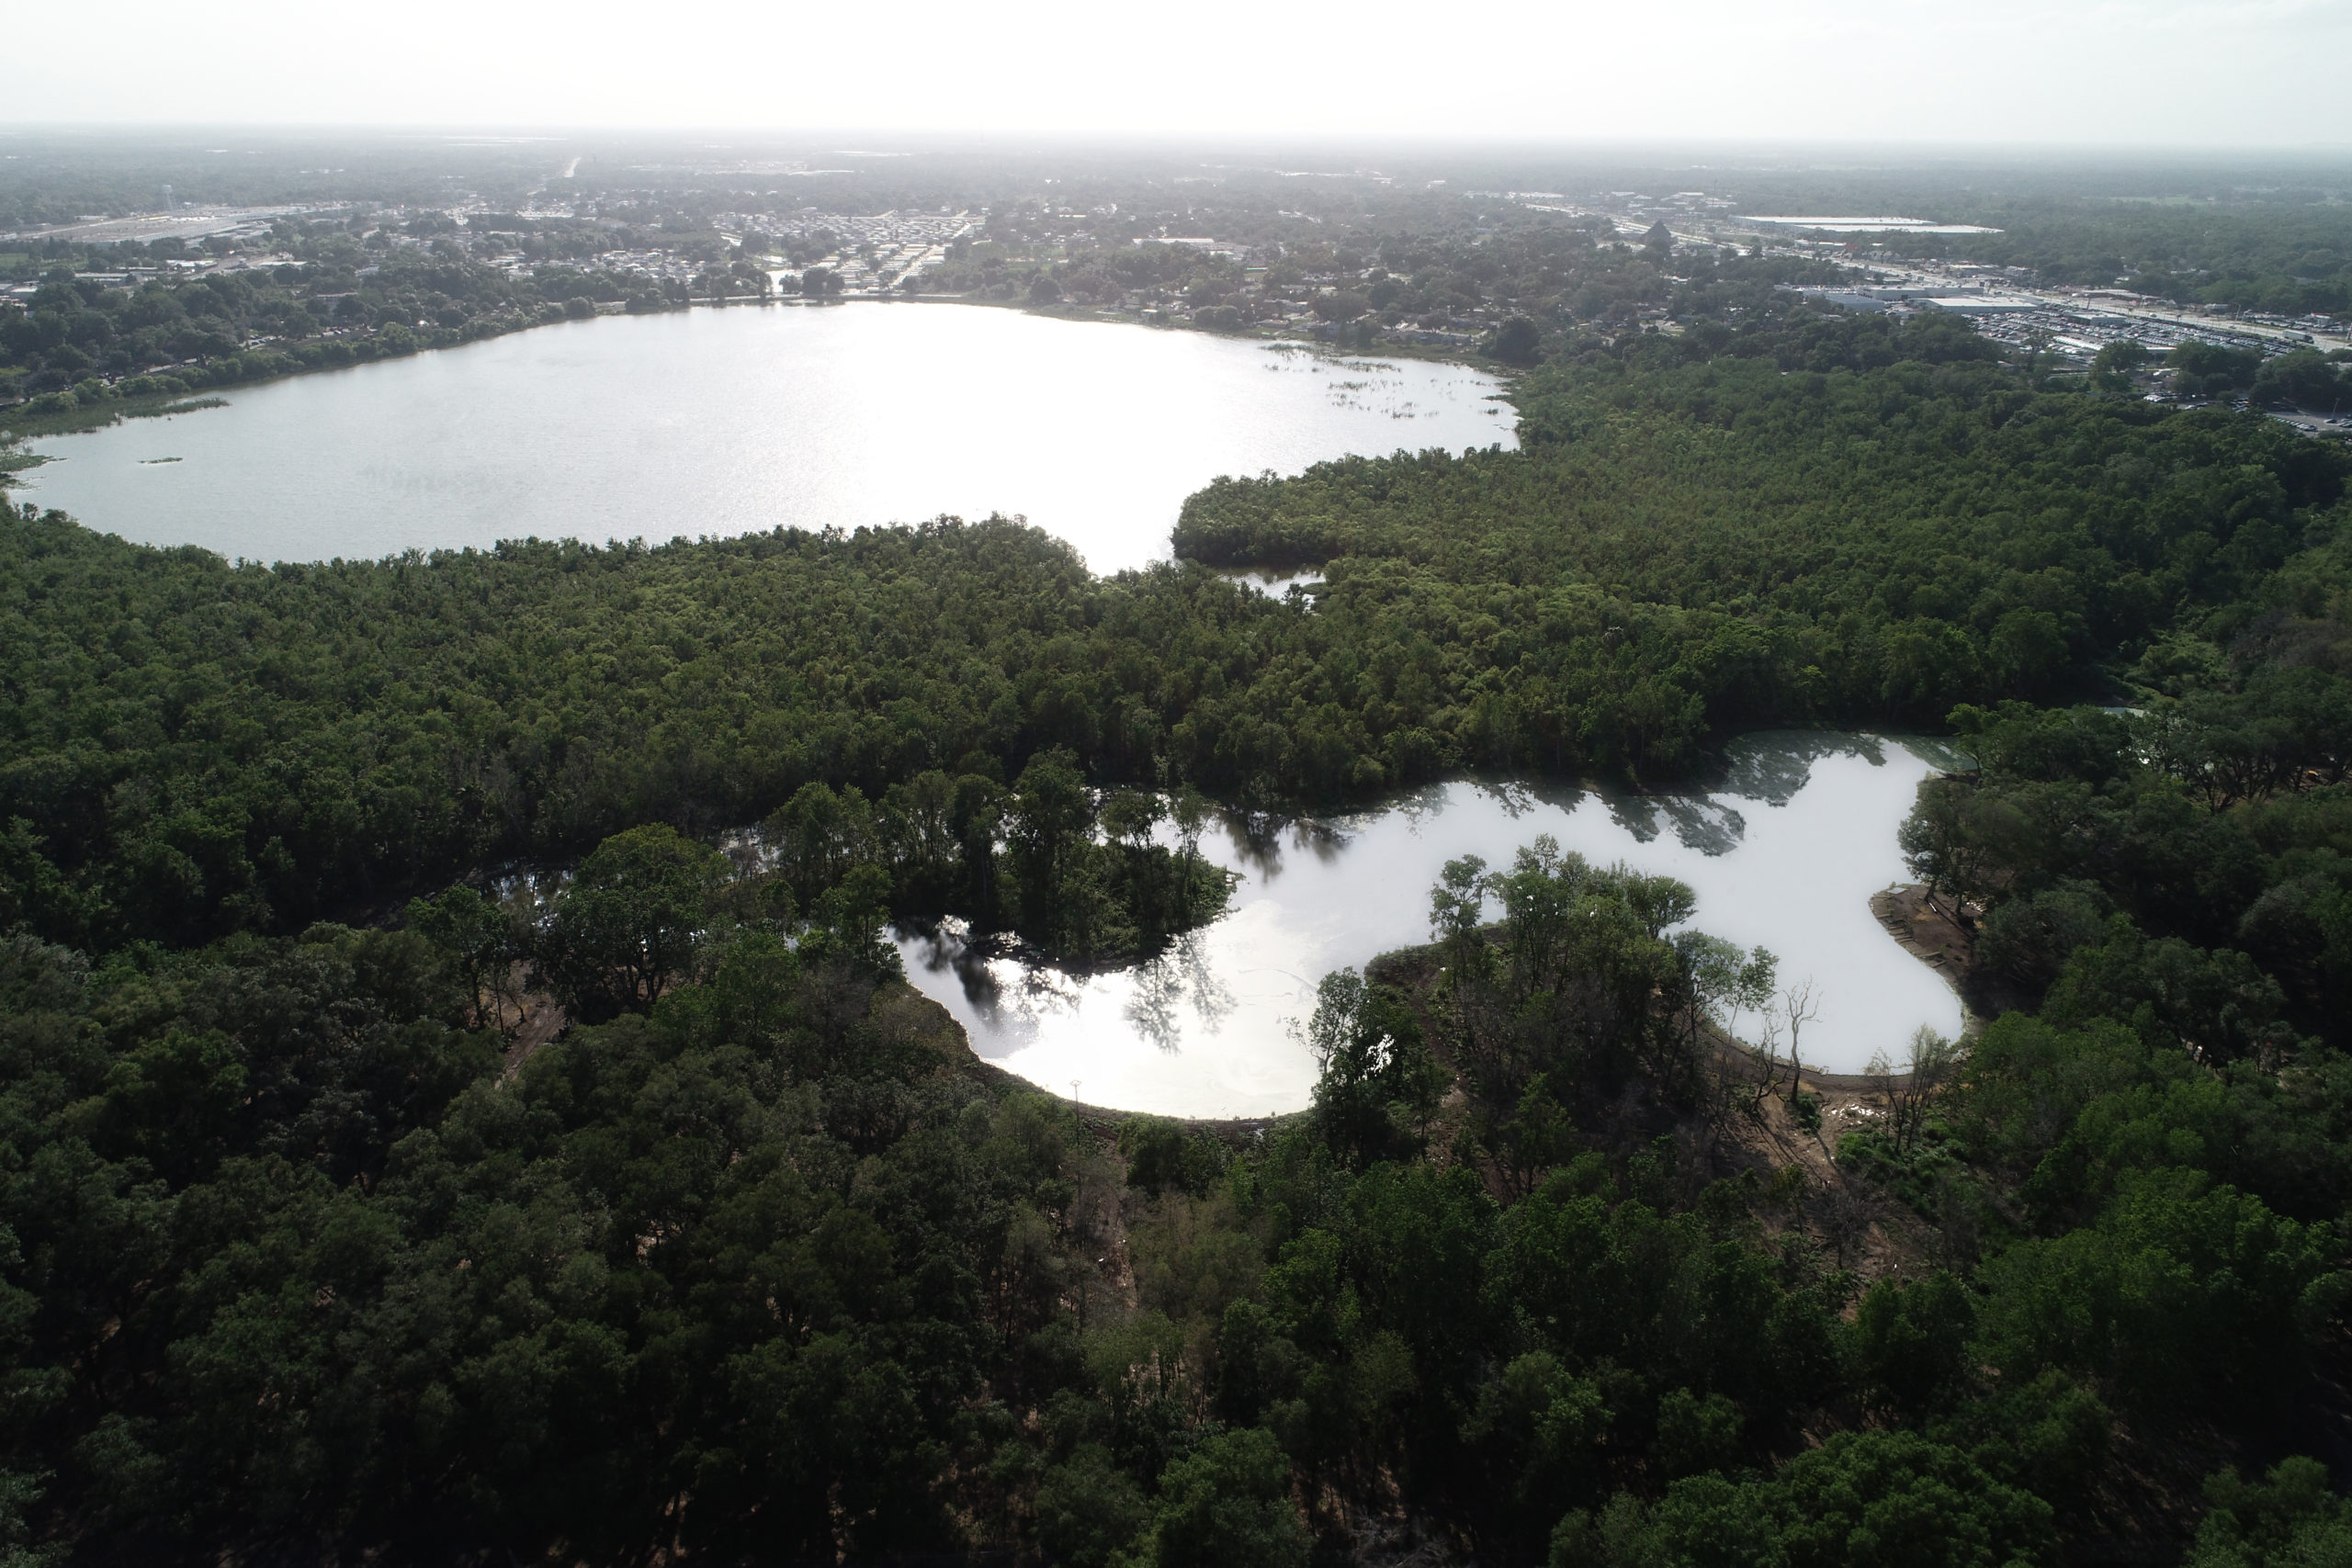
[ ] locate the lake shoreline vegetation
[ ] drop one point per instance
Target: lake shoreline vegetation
(96, 403)
(202, 330)
(396, 267)
(313, 1250)
(87, 347)
(1462, 620)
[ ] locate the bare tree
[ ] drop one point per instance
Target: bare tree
(1767, 1052)
(1929, 1066)
(1800, 1005)
(1844, 1216)
(1751, 991)
(1880, 1075)
(1933, 1060)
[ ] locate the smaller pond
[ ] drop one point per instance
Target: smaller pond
(1785, 853)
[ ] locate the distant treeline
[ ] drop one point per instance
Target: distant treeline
(82, 346)
(1516, 294)
(2289, 252)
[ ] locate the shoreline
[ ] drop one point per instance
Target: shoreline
(114, 411)
(1900, 910)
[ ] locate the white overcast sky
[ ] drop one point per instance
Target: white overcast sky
(2129, 73)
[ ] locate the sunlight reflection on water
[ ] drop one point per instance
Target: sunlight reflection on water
(1784, 853)
(727, 421)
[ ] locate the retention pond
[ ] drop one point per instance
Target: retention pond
(1784, 853)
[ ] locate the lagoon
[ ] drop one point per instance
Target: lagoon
(727, 421)
(1784, 852)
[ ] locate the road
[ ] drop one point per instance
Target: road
(187, 223)
(2083, 301)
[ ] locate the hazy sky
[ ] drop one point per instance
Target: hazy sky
(2170, 73)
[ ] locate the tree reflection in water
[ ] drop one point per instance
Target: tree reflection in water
(1163, 984)
(1783, 849)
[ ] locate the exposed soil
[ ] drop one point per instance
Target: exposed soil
(540, 1020)
(1929, 934)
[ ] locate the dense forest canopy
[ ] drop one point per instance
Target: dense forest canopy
(317, 1245)
(1786, 517)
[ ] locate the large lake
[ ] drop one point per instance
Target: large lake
(725, 421)
(1784, 853)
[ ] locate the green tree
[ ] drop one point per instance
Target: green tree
(19, 1492)
(1049, 823)
(1543, 1428)
(1956, 841)
(1227, 1504)
(2291, 1519)
(2116, 363)
(1911, 1340)
(1376, 1086)
(2183, 1289)
(1861, 1500)
(2301, 380)
(484, 944)
(630, 923)
(1088, 1509)
(2204, 369)
(1516, 342)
